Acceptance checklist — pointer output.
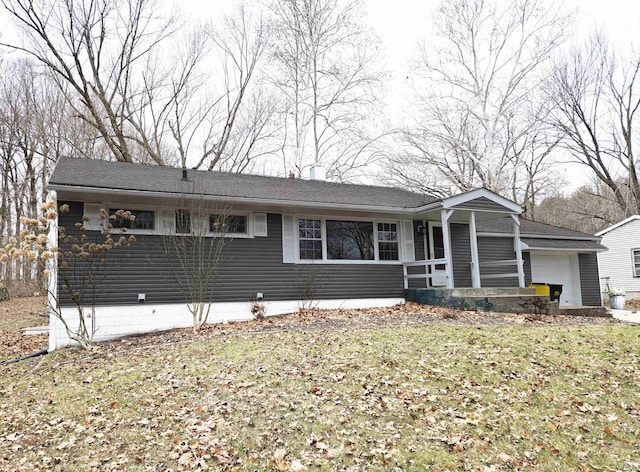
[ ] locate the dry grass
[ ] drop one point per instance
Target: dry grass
(331, 396)
(16, 314)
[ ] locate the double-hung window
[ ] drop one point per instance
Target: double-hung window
(310, 238)
(388, 249)
(347, 240)
(635, 262)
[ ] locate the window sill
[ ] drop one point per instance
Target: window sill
(346, 262)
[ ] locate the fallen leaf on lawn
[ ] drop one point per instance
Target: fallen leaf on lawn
(278, 460)
(297, 466)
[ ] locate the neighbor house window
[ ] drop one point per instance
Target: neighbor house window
(132, 219)
(310, 237)
(350, 240)
(228, 224)
(183, 221)
(635, 254)
(388, 242)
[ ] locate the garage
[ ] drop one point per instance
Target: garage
(558, 268)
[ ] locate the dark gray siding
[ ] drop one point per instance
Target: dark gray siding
(497, 249)
(418, 240)
(589, 279)
(483, 203)
(247, 266)
(461, 249)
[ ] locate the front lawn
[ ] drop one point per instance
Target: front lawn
(438, 397)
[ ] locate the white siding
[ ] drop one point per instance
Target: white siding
(616, 262)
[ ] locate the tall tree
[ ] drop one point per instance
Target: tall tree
(138, 82)
(478, 116)
(328, 80)
(594, 101)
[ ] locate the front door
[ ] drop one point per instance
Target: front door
(436, 251)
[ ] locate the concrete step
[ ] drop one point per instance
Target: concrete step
(501, 301)
(531, 304)
(490, 291)
(598, 311)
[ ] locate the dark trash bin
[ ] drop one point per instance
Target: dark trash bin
(555, 290)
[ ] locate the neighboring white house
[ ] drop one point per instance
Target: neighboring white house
(620, 265)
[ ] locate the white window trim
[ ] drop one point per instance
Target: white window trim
(157, 222)
(161, 219)
(323, 229)
(249, 224)
(636, 272)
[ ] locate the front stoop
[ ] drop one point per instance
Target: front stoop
(596, 311)
(500, 300)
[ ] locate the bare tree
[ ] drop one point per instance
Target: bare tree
(107, 53)
(143, 87)
(589, 209)
(237, 119)
(594, 101)
(326, 74)
(193, 239)
(478, 118)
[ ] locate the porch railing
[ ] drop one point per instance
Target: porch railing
(502, 263)
(428, 275)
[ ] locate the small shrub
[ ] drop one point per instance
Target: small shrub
(258, 309)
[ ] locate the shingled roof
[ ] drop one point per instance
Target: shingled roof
(78, 174)
(531, 228)
(542, 236)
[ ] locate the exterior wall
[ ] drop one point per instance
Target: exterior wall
(589, 279)
(496, 249)
(247, 266)
(461, 250)
(615, 264)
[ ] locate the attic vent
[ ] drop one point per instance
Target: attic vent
(318, 172)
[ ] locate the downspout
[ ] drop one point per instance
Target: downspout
(52, 287)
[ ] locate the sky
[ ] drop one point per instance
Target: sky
(401, 24)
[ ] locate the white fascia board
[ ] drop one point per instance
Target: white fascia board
(220, 198)
(481, 192)
(617, 225)
(564, 249)
(541, 236)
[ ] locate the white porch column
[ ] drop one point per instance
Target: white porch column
(446, 240)
(475, 259)
(518, 248)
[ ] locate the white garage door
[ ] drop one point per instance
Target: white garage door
(558, 269)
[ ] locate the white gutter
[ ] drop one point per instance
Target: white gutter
(540, 236)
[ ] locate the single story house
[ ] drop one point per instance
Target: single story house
(620, 265)
(297, 242)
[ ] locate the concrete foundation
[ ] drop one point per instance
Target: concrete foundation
(501, 300)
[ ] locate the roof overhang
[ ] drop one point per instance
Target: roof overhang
(68, 191)
(617, 225)
(464, 201)
(560, 245)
